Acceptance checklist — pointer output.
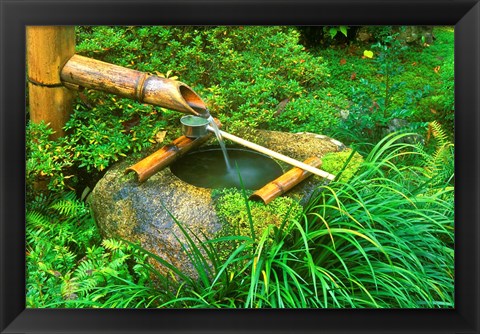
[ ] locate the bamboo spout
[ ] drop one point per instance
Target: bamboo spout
(86, 72)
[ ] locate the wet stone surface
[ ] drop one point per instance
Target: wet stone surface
(143, 212)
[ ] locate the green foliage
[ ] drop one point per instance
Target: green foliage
(439, 165)
(66, 267)
(316, 36)
(241, 72)
(92, 144)
(47, 159)
(54, 241)
(334, 30)
(315, 112)
(379, 239)
(420, 85)
(345, 162)
(380, 33)
(437, 66)
(376, 105)
(105, 139)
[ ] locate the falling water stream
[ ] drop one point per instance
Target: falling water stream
(221, 143)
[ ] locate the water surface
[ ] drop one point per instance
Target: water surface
(207, 169)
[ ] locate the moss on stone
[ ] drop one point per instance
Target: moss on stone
(335, 161)
(231, 208)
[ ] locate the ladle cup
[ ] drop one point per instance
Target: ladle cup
(194, 126)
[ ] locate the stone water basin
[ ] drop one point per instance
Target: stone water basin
(142, 212)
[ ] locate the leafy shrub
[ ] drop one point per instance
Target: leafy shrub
(440, 105)
(379, 106)
(67, 267)
(47, 159)
(316, 112)
(241, 72)
(90, 148)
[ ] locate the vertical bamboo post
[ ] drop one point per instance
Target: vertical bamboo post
(48, 49)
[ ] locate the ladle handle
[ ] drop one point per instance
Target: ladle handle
(274, 154)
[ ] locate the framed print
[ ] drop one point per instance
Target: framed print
(239, 166)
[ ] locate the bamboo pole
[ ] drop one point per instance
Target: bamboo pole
(165, 156)
(90, 73)
(275, 155)
(285, 182)
(48, 49)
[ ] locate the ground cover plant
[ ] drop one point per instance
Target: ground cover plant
(381, 235)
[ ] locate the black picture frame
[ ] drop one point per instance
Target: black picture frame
(15, 15)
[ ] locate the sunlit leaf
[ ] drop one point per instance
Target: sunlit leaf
(368, 53)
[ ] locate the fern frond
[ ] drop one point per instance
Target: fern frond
(85, 269)
(69, 208)
(118, 262)
(438, 133)
(87, 284)
(37, 219)
(113, 244)
(439, 165)
(443, 161)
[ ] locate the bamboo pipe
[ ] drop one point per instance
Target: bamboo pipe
(86, 72)
(285, 182)
(274, 154)
(48, 48)
(165, 156)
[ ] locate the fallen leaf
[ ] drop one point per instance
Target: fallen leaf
(433, 111)
(368, 53)
(343, 61)
(160, 136)
(436, 69)
(353, 76)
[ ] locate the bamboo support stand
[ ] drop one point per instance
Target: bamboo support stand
(48, 49)
(155, 162)
(285, 182)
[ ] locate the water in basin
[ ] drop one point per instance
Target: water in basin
(206, 168)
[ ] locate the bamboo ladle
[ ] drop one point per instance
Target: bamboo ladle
(273, 154)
